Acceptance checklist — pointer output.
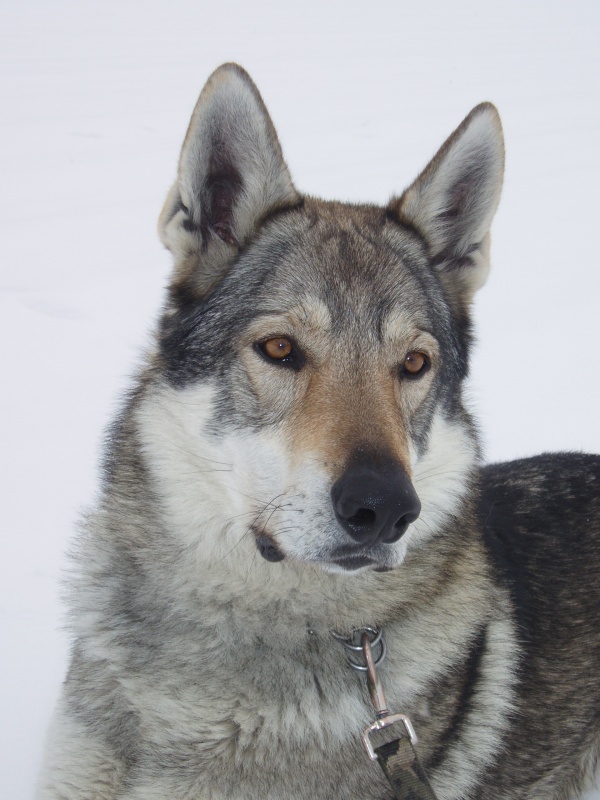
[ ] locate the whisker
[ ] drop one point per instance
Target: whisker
(434, 469)
(196, 456)
(424, 479)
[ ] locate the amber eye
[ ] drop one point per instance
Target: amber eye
(277, 348)
(281, 351)
(415, 364)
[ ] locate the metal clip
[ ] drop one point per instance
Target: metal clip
(375, 687)
(384, 718)
(385, 722)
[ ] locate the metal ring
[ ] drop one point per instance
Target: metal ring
(346, 642)
(377, 661)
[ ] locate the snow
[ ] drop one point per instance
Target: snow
(96, 99)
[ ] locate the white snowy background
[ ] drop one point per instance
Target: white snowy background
(95, 100)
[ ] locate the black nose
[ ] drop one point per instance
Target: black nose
(375, 503)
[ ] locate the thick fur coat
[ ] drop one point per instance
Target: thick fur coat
(294, 459)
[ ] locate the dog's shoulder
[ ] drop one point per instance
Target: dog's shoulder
(540, 519)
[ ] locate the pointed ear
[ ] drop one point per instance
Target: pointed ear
(231, 174)
(453, 201)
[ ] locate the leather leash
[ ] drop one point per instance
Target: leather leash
(398, 757)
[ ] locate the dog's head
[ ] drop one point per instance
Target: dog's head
(312, 353)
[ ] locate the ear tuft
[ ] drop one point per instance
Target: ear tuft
(231, 175)
(453, 201)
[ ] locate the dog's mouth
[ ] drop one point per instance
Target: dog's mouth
(351, 563)
(350, 559)
(346, 559)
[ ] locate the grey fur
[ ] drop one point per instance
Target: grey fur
(207, 580)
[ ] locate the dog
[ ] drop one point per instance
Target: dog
(294, 473)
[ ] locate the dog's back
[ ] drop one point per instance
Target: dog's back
(540, 518)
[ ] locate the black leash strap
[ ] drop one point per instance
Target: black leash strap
(399, 762)
(398, 757)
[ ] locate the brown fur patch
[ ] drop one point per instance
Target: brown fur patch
(334, 425)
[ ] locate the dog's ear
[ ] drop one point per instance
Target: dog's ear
(453, 201)
(231, 174)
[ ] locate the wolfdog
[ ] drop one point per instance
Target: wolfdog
(294, 488)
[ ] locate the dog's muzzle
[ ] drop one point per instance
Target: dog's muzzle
(375, 503)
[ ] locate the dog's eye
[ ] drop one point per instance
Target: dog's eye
(415, 364)
(280, 350)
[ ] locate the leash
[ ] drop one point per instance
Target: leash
(398, 757)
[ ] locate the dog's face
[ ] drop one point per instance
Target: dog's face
(313, 353)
